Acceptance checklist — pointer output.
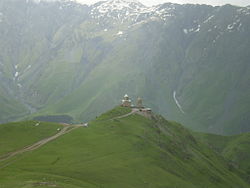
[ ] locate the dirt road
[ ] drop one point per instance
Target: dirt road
(67, 128)
(64, 130)
(134, 110)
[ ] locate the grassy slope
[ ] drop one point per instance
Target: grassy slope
(237, 150)
(233, 148)
(129, 152)
(15, 136)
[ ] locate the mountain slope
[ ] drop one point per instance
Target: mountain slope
(133, 151)
(188, 62)
(233, 148)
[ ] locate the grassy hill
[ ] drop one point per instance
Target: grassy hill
(128, 152)
(15, 136)
(233, 148)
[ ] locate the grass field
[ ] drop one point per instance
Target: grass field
(130, 152)
(15, 136)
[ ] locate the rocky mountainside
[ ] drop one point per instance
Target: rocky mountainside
(188, 62)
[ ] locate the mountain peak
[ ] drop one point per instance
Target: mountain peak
(124, 10)
(118, 9)
(118, 5)
(123, 1)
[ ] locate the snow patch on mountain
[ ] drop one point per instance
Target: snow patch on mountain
(118, 9)
(1, 17)
(19, 85)
(117, 5)
(193, 29)
(230, 27)
(121, 11)
(16, 74)
(39, 1)
(27, 68)
(185, 31)
(177, 103)
(35, 1)
(129, 10)
(209, 19)
(244, 10)
(120, 33)
(198, 29)
(235, 25)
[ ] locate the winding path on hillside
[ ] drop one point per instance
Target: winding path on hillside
(134, 110)
(64, 130)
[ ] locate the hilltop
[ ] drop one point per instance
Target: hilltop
(121, 150)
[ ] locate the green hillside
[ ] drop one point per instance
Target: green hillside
(133, 151)
(14, 136)
(233, 148)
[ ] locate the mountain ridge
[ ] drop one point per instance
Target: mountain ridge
(119, 149)
(57, 59)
